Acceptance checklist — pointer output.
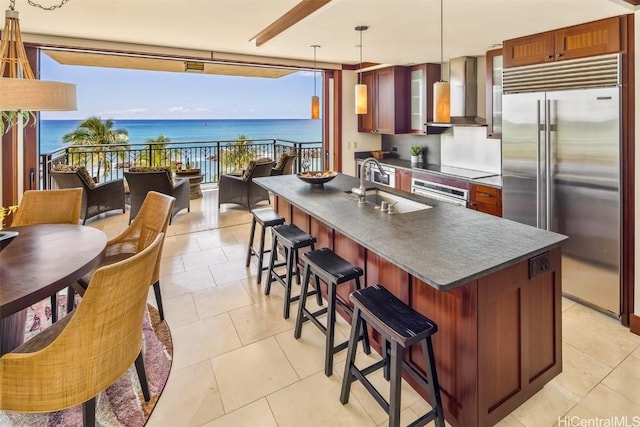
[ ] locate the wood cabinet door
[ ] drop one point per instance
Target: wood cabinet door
(533, 49)
(403, 180)
(366, 122)
(384, 101)
(593, 38)
(486, 199)
(494, 59)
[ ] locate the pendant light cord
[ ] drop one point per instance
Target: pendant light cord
(360, 75)
(314, 69)
(441, 33)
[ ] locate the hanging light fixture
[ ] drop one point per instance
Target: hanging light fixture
(441, 89)
(315, 101)
(20, 90)
(361, 89)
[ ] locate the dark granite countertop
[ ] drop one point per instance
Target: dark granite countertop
(446, 246)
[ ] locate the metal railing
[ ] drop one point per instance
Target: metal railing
(212, 158)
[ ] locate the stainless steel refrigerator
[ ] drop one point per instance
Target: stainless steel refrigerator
(561, 172)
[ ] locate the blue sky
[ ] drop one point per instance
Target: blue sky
(132, 94)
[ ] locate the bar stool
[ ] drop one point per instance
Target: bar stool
(266, 217)
(326, 265)
(401, 327)
(291, 238)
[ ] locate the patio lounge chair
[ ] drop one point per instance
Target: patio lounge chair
(141, 180)
(96, 198)
(241, 190)
(284, 166)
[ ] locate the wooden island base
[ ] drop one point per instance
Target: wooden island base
(498, 339)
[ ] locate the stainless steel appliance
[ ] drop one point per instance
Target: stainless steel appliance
(561, 167)
(445, 193)
(372, 173)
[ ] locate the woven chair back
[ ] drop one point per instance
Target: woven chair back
(98, 344)
(49, 207)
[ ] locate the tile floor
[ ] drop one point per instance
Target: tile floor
(236, 362)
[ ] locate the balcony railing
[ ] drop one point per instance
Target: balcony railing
(213, 158)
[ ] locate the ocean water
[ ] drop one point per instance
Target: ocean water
(299, 130)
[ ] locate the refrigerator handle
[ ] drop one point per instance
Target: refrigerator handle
(548, 165)
(538, 168)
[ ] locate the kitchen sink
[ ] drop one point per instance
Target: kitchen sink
(400, 204)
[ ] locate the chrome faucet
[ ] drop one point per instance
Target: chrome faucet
(360, 191)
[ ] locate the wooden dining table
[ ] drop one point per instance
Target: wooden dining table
(42, 260)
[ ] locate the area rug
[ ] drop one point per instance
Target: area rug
(120, 405)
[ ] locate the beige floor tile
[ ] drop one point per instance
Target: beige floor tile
(204, 258)
(315, 401)
(235, 252)
(509, 421)
(179, 310)
(625, 379)
(216, 239)
(188, 281)
(567, 303)
(307, 354)
(598, 335)
(256, 414)
(544, 408)
(179, 245)
(190, 398)
(252, 372)
(171, 265)
(261, 320)
(580, 371)
(231, 271)
(203, 339)
(604, 403)
(221, 298)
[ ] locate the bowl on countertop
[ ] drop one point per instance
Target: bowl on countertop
(379, 154)
(317, 177)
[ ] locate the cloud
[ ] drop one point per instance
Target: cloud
(179, 109)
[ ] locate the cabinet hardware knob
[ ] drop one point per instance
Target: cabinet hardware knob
(558, 55)
(549, 56)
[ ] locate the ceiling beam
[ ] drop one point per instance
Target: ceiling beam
(293, 16)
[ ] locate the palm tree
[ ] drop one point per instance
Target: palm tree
(156, 153)
(97, 133)
(238, 153)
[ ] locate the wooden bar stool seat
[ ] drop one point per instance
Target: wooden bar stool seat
(291, 239)
(325, 265)
(401, 327)
(267, 218)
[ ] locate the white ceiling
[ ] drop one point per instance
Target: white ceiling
(400, 31)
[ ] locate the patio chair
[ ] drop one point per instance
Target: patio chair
(284, 166)
(152, 219)
(141, 180)
(49, 207)
(241, 190)
(96, 198)
(77, 358)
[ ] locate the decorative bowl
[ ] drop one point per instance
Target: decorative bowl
(317, 177)
(6, 237)
(379, 154)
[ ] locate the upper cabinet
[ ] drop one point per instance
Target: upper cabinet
(593, 38)
(494, 93)
(421, 80)
(387, 101)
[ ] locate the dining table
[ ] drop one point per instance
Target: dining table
(40, 261)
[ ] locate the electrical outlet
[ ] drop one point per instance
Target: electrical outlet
(394, 148)
(355, 144)
(539, 264)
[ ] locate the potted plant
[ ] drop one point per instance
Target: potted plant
(416, 150)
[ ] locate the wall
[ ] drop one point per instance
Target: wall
(352, 140)
(468, 147)
(401, 143)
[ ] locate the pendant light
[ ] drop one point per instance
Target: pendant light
(361, 89)
(315, 101)
(441, 89)
(20, 89)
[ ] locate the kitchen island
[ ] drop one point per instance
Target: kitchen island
(493, 286)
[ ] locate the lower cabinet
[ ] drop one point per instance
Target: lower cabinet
(499, 337)
(485, 199)
(403, 179)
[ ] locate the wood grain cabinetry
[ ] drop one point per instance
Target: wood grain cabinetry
(403, 179)
(387, 101)
(578, 41)
(485, 199)
(494, 93)
(421, 80)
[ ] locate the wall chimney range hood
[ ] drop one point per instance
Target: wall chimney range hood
(463, 80)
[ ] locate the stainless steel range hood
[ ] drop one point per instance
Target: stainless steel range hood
(463, 81)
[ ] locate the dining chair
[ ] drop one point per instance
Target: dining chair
(49, 207)
(77, 358)
(151, 220)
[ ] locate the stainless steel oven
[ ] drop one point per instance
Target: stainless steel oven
(372, 173)
(445, 193)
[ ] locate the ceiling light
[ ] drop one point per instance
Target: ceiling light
(193, 67)
(441, 89)
(361, 89)
(20, 90)
(315, 101)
